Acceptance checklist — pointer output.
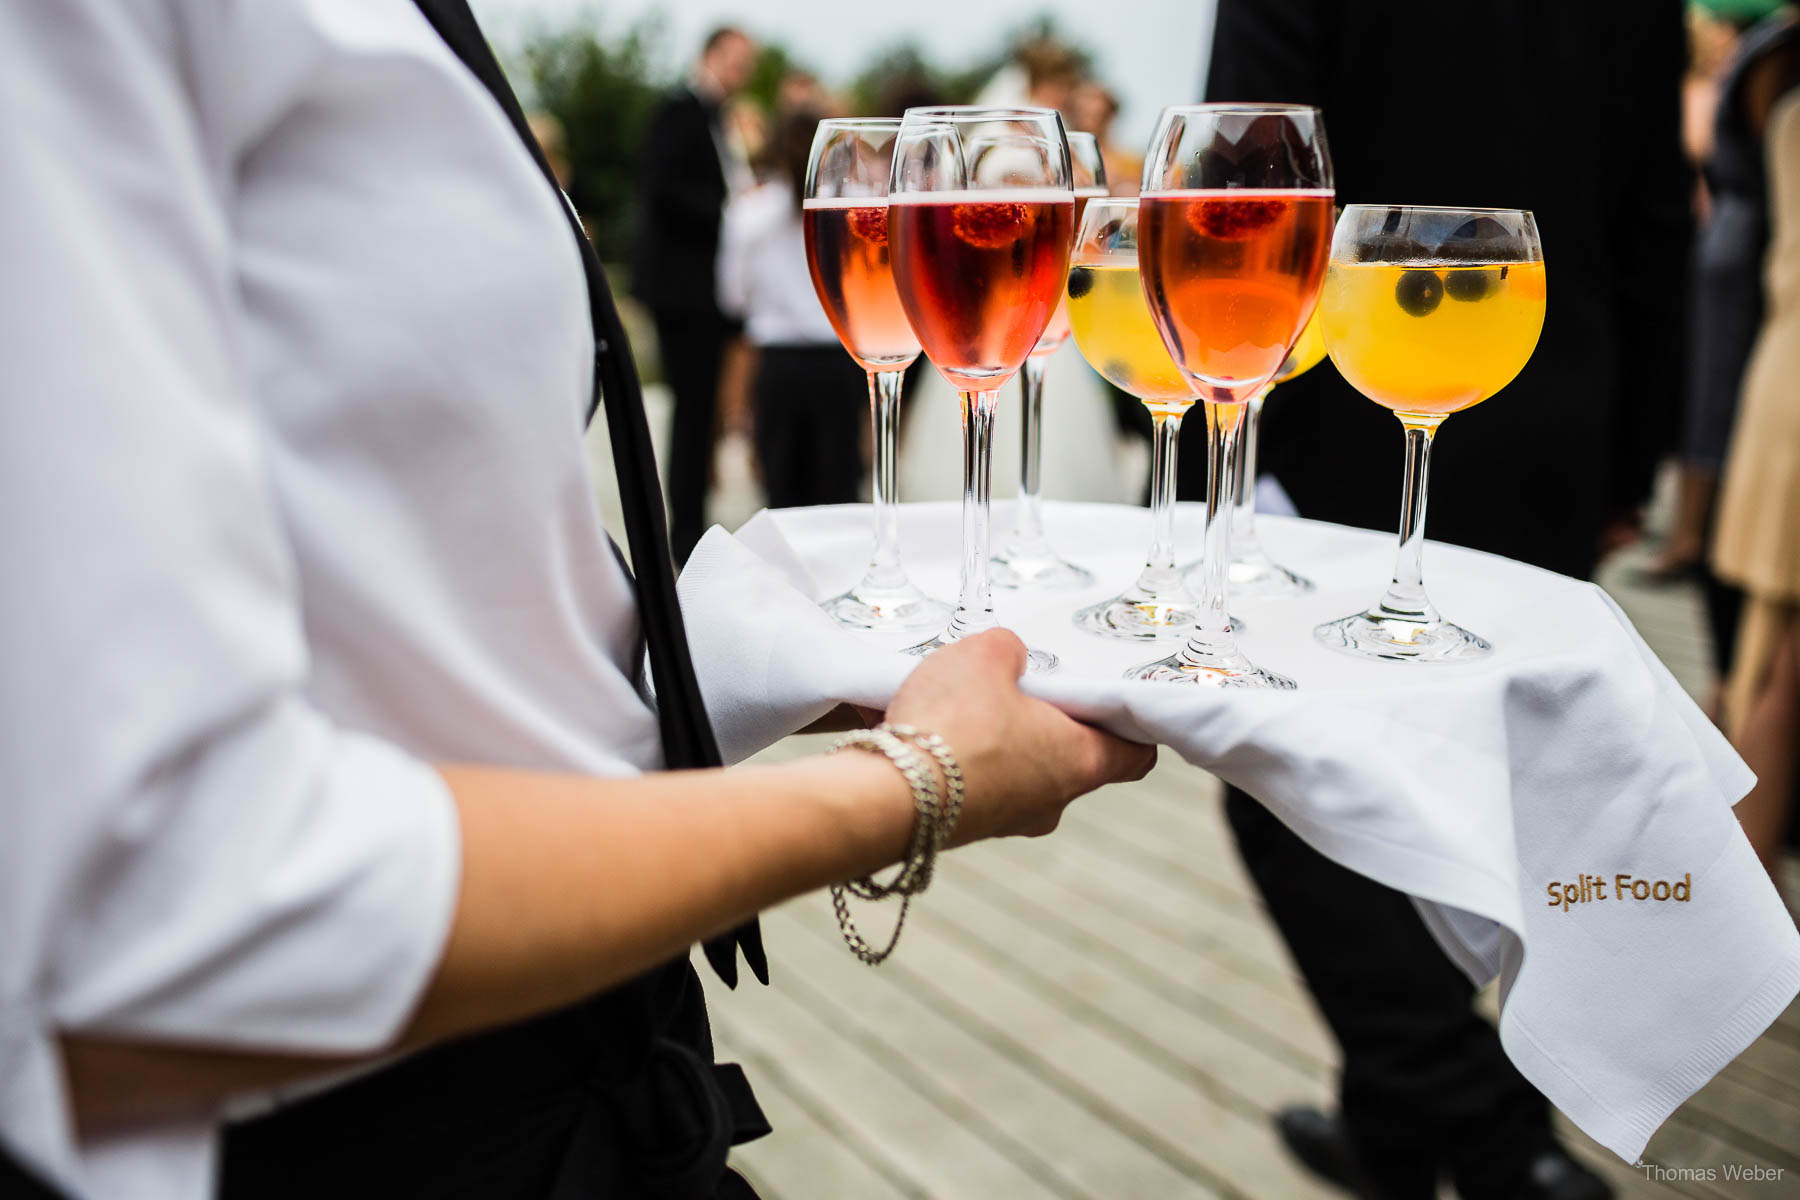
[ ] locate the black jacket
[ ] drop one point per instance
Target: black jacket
(1571, 109)
(682, 200)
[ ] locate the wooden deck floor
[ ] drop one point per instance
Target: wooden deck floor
(1108, 1013)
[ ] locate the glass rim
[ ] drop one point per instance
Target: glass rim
(859, 122)
(1245, 106)
(1443, 208)
(981, 112)
(1111, 201)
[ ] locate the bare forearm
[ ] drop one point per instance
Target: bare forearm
(569, 885)
(653, 868)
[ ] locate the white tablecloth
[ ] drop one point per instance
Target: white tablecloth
(1569, 755)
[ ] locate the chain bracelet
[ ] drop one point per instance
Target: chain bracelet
(902, 745)
(939, 750)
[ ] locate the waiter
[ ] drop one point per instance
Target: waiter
(1570, 110)
(324, 753)
(691, 167)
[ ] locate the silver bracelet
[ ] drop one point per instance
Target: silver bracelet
(931, 827)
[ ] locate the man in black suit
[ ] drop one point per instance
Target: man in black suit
(689, 169)
(1571, 110)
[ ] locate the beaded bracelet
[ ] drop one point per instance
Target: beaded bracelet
(935, 817)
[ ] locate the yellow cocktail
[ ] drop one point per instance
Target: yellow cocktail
(1112, 325)
(1307, 353)
(1432, 339)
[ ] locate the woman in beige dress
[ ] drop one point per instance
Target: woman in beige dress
(1758, 543)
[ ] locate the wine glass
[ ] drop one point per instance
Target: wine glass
(1426, 311)
(1234, 225)
(1027, 559)
(980, 218)
(846, 221)
(1115, 334)
(1252, 571)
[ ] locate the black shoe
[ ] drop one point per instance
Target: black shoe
(1319, 1141)
(1553, 1175)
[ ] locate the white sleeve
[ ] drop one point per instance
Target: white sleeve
(188, 850)
(734, 256)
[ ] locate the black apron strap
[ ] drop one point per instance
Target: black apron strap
(18, 1184)
(687, 734)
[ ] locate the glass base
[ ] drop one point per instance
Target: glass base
(1037, 567)
(899, 609)
(1227, 670)
(1037, 662)
(1263, 576)
(1136, 615)
(1401, 640)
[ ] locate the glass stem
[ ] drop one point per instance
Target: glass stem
(884, 419)
(1212, 636)
(1405, 598)
(974, 598)
(1160, 575)
(1243, 520)
(1028, 525)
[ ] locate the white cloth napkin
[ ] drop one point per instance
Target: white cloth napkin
(1569, 755)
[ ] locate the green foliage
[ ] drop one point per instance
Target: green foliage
(603, 92)
(604, 87)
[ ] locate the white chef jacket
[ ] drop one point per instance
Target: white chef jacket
(762, 272)
(294, 359)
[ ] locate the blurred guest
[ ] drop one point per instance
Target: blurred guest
(1712, 46)
(1577, 116)
(1042, 72)
(1728, 300)
(1092, 109)
(691, 165)
(807, 391)
(801, 91)
(1052, 72)
(1758, 536)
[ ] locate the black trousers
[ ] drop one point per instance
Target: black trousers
(692, 349)
(809, 402)
(1425, 1085)
(616, 1098)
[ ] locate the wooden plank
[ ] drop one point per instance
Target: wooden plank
(966, 1075)
(1250, 947)
(1746, 1119)
(1146, 856)
(1103, 999)
(1280, 1020)
(905, 1137)
(808, 1155)
(1154, 1093)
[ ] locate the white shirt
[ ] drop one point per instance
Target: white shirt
(762, 273)
(294, 358)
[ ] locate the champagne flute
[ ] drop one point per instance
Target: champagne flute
(846, 222)
(1234, 222)
(981, 252)
(1426, 311)
(1114, 331)
(1028, 559)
